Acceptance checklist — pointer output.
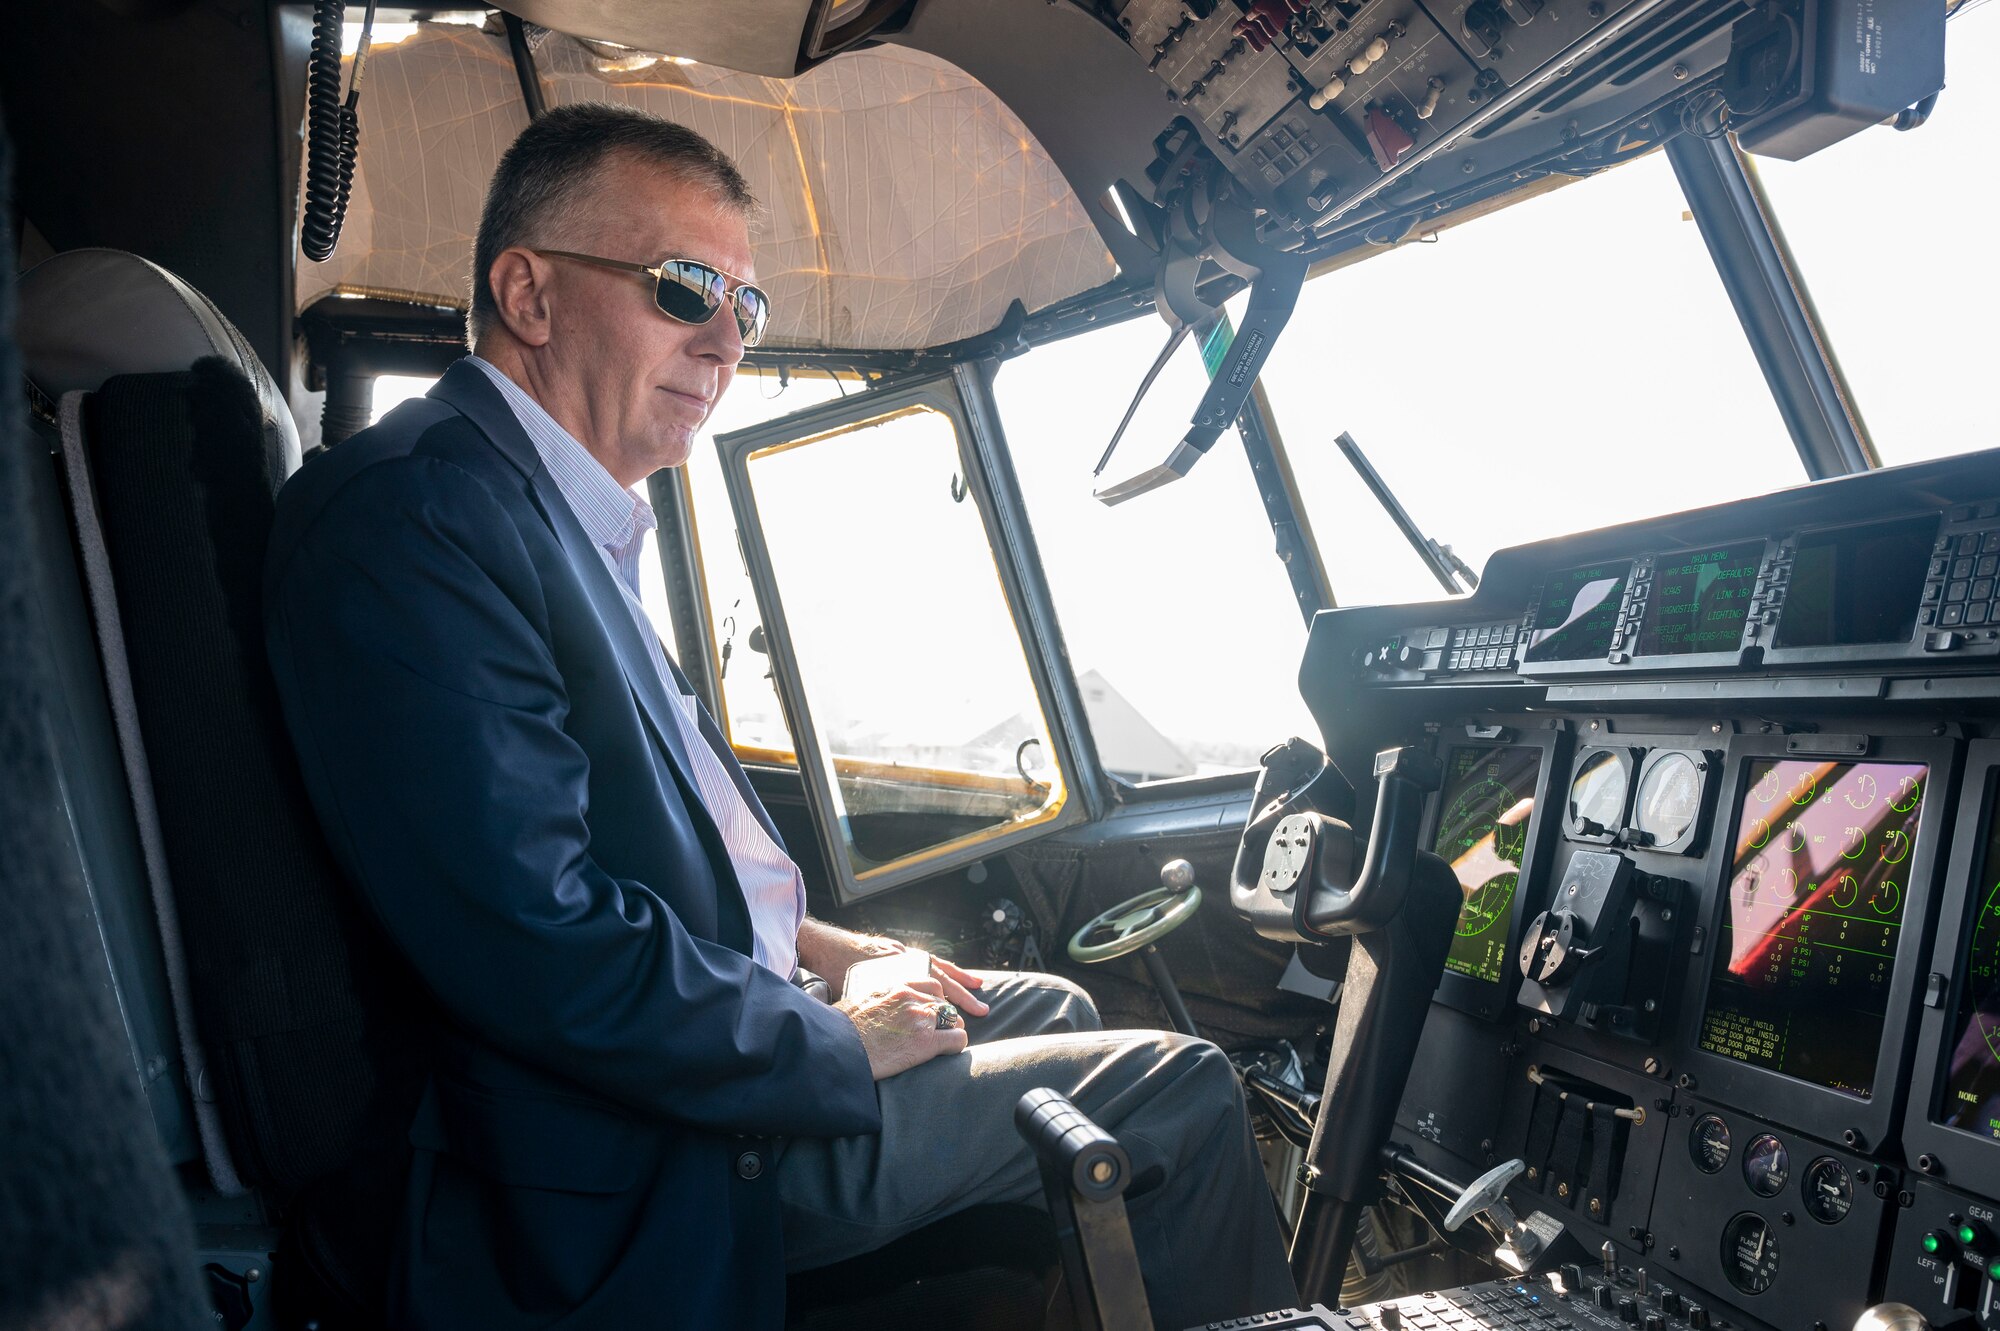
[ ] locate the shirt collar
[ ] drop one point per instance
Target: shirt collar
(611, 515)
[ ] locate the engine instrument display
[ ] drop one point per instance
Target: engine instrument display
(1813, 918)
(1698, 600)
(1972, 1088)
(1483, 818)
(1857, 585)
(1579, 613)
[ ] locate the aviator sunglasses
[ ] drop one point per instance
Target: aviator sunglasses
(690, 292)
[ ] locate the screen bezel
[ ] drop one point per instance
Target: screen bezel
(1775, 655)
(1819, 1110)
(1965, 1160)
(1720, 660)
(1493, 1000)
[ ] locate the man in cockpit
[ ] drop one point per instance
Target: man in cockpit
(634, 1116)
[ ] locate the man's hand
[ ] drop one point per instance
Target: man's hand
(899, 1027)
(827, 951)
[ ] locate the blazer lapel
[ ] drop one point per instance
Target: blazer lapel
(466, 387)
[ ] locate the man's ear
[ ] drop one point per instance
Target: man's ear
(520, 283)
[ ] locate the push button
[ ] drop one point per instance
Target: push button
(749, 1165)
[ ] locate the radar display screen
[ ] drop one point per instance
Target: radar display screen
(1579, 613)
(1856, 585)
(1698, 600)
(1800, 979)
(1483, 817)
(1972, 1086)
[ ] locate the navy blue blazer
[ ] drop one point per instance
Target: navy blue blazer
(489, 748)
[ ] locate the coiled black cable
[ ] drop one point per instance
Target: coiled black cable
(333, 130)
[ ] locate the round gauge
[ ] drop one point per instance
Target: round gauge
(1708, 1143)
(1749, 1254)
(1829, 1190)
(1597, 793)
(1669, 797)
(1766, 1166)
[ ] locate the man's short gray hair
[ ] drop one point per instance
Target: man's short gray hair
(542, 183)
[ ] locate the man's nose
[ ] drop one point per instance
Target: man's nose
(720, 340)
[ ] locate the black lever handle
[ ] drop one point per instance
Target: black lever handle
(1336, 906)
(1084, 1175)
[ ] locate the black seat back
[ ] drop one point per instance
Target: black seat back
(303, 1014)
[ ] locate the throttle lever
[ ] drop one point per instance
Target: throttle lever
(1334, 905)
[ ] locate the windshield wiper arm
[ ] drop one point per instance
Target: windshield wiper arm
(1445, 566)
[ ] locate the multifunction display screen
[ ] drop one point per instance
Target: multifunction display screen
(1483, 817)
(1972, 1086)
(1856, 585)
(1698, 600)
(1820, 874)
(1579, 613)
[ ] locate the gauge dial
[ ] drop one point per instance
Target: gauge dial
(1597, 793)
(1669, 798)
(1749, 1254)
(1766, 1166)
(1829, 1190)
(1708, 1143)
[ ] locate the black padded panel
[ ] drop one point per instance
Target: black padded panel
(985, 1268)
(302, 1007)
(92, 1225)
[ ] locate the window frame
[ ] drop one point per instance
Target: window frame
(956, 395)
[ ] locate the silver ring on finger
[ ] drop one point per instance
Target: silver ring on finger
(948, 1017)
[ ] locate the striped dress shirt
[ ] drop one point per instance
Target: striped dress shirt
(617, 520)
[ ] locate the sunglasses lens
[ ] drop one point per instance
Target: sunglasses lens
(753, 311)
(689, 292)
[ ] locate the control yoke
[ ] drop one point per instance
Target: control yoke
(1398, 908)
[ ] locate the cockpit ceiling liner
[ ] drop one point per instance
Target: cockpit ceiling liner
(903, 205)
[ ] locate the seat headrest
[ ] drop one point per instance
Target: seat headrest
(87, 315)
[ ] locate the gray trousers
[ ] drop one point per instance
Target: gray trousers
(1206, 1232)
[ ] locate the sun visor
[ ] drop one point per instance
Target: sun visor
(902, 204)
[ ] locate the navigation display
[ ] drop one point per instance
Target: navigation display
(1483, 817)
(1800, 978)
(1579, 613)
(1698, 600)
(1972, 1087)
(1855, 585)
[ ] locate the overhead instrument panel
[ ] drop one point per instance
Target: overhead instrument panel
(1484, 816)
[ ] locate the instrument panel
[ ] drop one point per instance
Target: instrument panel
(1723, 793)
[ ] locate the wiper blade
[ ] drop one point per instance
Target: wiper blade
(1445, 566)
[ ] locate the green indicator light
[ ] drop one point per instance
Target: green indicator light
(1930, 1243)
(1967, 1234)
(1993, 1270)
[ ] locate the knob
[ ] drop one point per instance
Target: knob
(1655, 1322)
(1177, 875)
(1628, 1310)
(1392, 1318)
(1408, 656)
(1670, 1302)
(1606, 1297)
(1697, 1317)
(1572, 1275)
(1891, 1317)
